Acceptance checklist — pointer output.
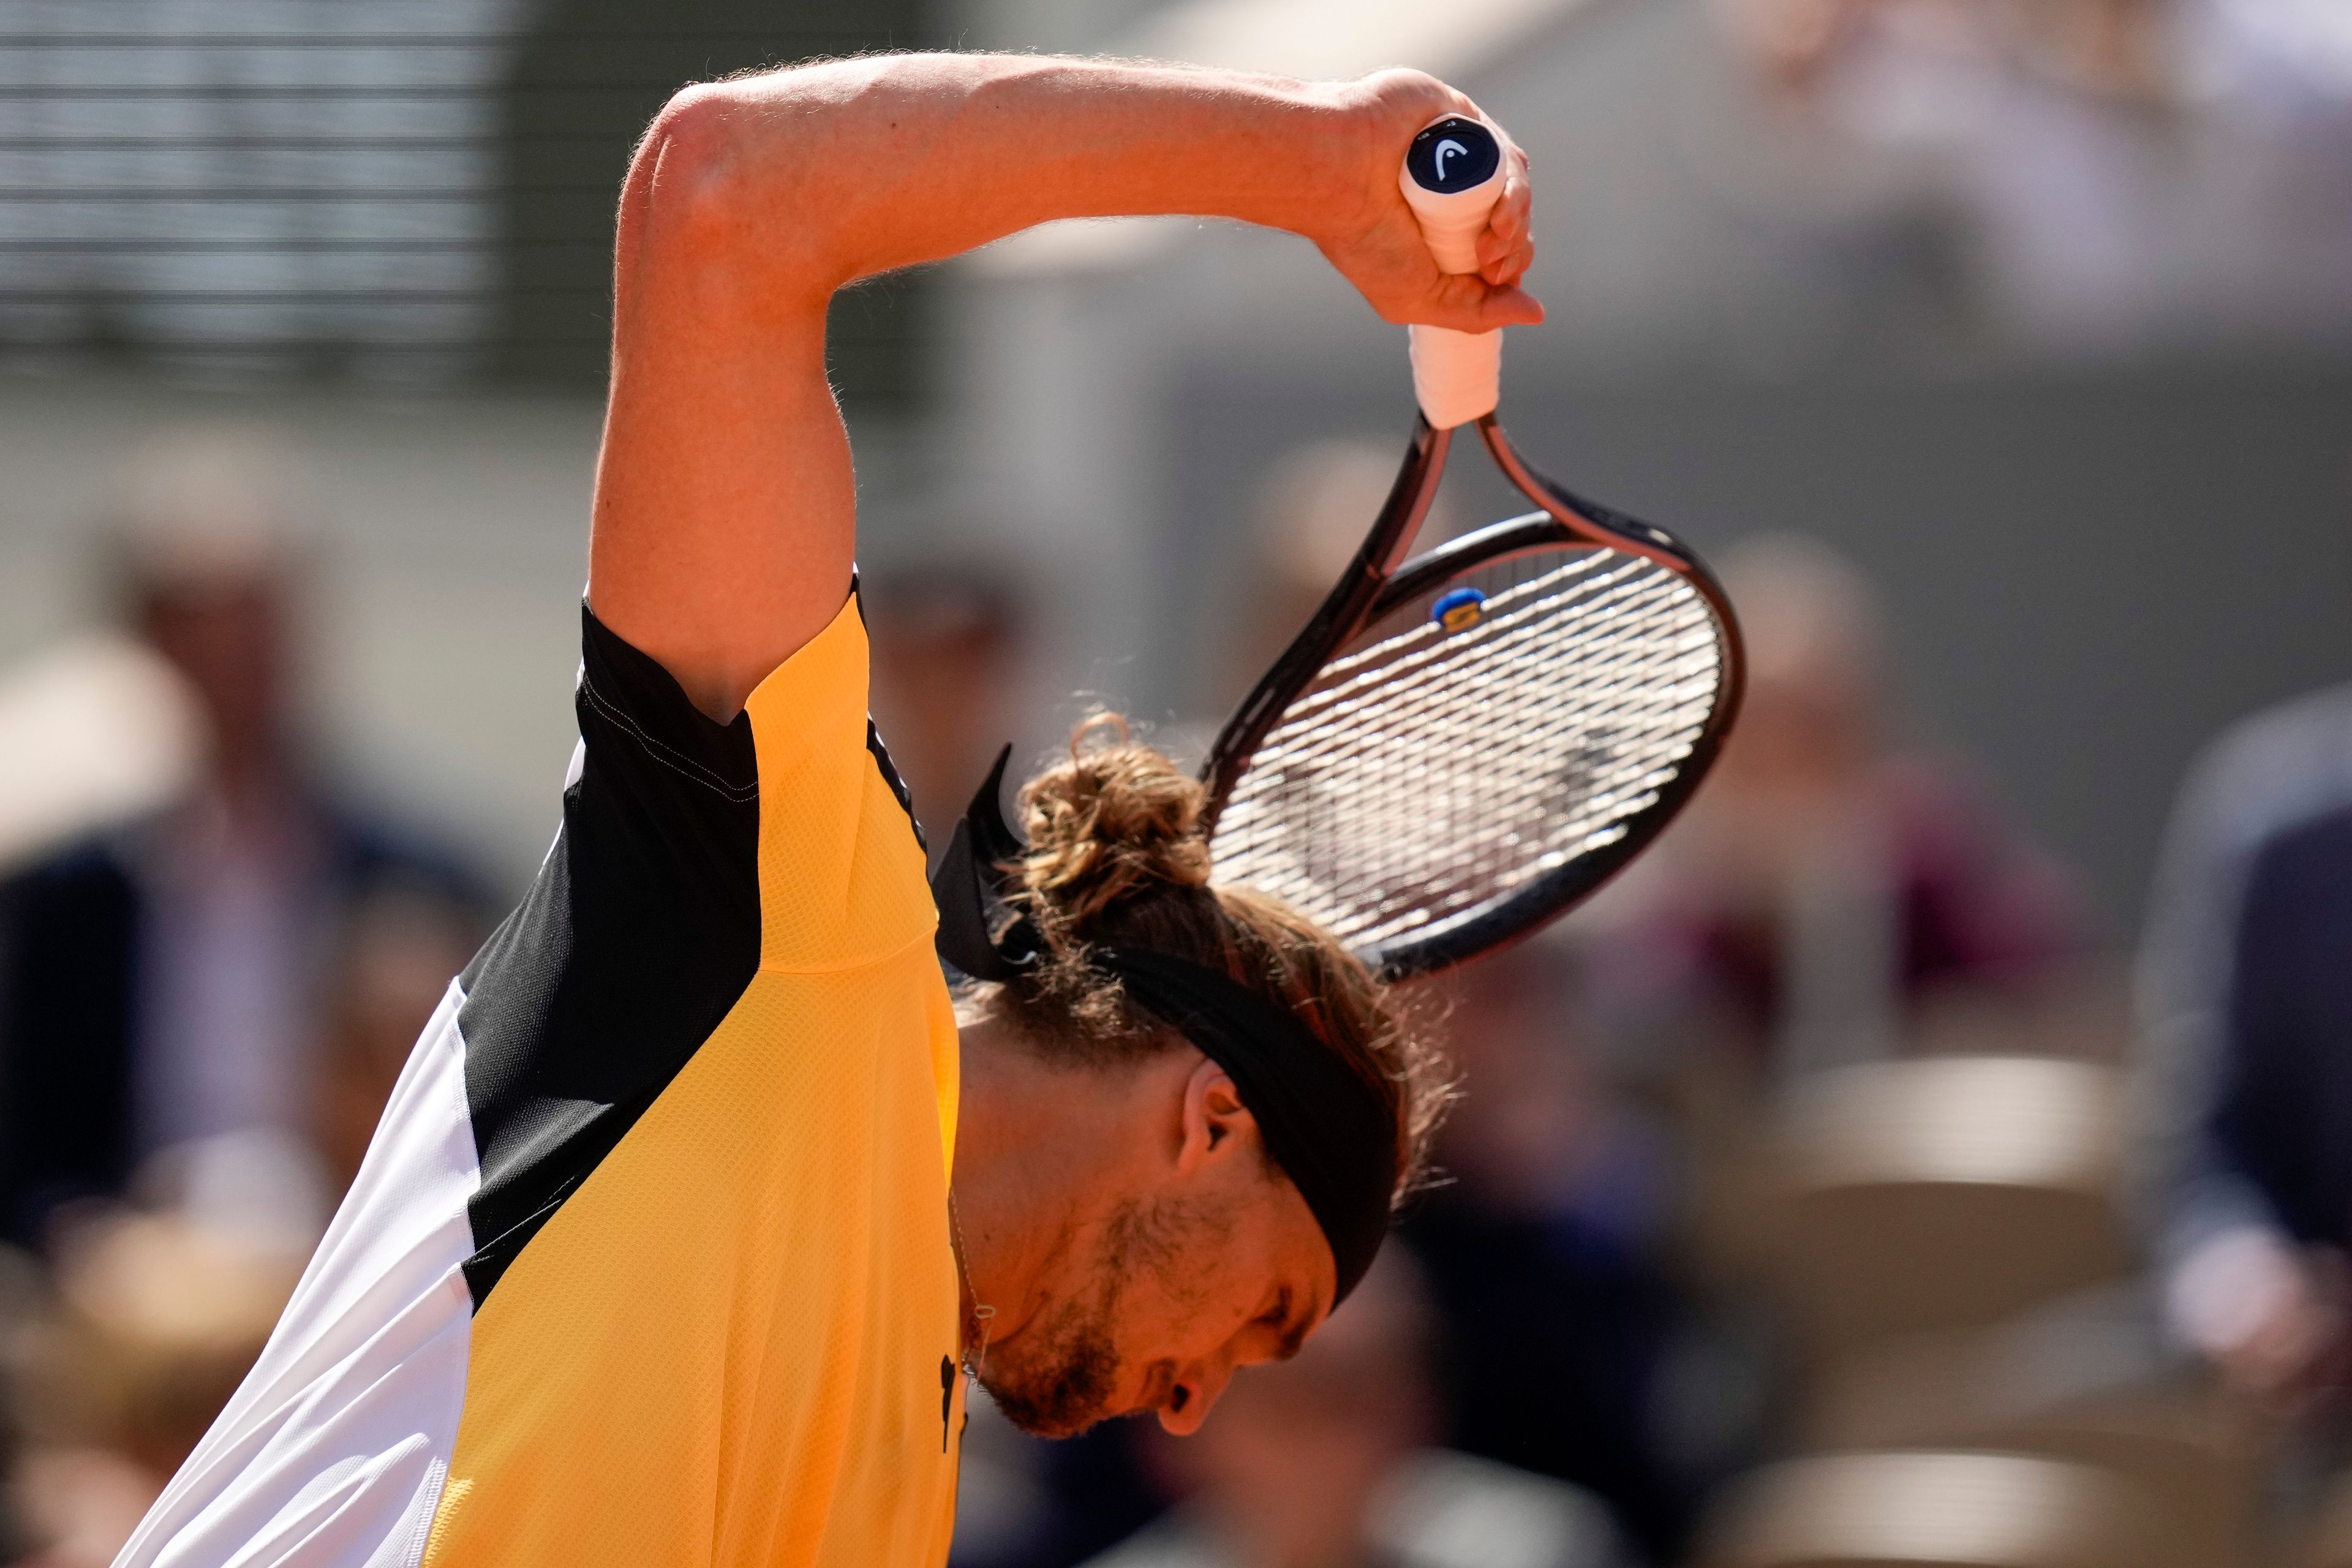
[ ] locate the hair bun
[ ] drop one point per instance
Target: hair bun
(1117, 821)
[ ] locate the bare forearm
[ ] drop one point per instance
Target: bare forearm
(825, 174)
(725, 503)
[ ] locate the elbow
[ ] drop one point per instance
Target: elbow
(712, 192)
(686, 190)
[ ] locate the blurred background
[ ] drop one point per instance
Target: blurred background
(1939, 1150)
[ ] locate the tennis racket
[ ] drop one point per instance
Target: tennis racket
(1460, 747)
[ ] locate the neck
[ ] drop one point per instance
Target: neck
(1035, 1148)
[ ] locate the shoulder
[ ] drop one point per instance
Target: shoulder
(83, 898)
(77, 869)
(2268, 773)
(375, 851)
(2261, 777)
(2307, 864)
(841, 868)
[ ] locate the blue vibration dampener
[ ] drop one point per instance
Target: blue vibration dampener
(1458, 610)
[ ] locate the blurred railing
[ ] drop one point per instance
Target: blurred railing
(409, 191)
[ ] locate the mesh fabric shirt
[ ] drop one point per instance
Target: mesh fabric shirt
(648, 1261)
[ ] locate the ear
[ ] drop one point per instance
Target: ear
(1216, 1123)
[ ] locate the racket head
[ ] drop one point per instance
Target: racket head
(1335, 619)
(1516, 715)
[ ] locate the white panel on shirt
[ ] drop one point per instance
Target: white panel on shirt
(332, 1453)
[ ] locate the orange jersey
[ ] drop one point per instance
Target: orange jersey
(649, 1260)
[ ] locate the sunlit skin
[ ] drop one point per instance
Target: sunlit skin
(1292, 1470)
(724, 516)
(1132, 1207)
(1136, 1246)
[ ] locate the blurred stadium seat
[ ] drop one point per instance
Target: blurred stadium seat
(1939, 1509)
(1902, 1197)
(2079, 1386)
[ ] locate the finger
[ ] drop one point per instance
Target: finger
(1513, 268)
(1500, 237)
(1511, 307)
(1509, 218)
(1511, 265)
(1510, 215)
(1508, 263)
(1507, 228)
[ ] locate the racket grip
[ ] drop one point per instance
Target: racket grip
(1452, 178)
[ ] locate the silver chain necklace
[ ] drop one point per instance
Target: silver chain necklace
(974, 1362)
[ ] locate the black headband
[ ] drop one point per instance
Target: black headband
(1330, 1132)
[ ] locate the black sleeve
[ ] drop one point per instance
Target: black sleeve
(639, 933)
(68, 998)
(2283, 1113)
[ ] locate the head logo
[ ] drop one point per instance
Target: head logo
(1455, 154)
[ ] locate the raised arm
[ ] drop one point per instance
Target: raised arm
(724, 525)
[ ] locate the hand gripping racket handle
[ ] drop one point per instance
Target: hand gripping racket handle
(1452, 178)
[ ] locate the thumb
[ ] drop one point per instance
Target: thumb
(1510, 306)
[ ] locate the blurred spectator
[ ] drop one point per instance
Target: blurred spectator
(1032, 1502)
(1826, 885)
(2119, 174)
(947, 641)
(95, 729)
(1324, 1462)
(395, 960)
(2246, 1049)
(161, 984)
(23, 1290)
(1563, 1337)
(156, 1320)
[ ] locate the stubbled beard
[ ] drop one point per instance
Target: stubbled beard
(1065, 1383)
(1067, 1386)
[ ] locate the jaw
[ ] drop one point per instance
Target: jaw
(1057, 1376)
(1043, 1418)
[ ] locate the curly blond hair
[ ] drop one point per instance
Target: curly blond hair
(1117, 855)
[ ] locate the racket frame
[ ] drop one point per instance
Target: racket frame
(1335, 620)
(1375, 585)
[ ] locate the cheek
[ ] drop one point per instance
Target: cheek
(1196, 1293)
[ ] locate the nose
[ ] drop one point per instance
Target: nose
(1197, 1389)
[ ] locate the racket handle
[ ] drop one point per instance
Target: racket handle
(1451, 177)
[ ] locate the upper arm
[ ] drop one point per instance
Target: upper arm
(724, 521)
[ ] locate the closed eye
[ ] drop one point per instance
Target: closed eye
(1292, 1331)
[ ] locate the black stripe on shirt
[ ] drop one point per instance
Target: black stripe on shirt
(640, 932)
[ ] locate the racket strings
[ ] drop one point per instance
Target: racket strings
(1430, 774)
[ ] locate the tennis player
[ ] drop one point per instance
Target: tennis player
(700, 1187)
